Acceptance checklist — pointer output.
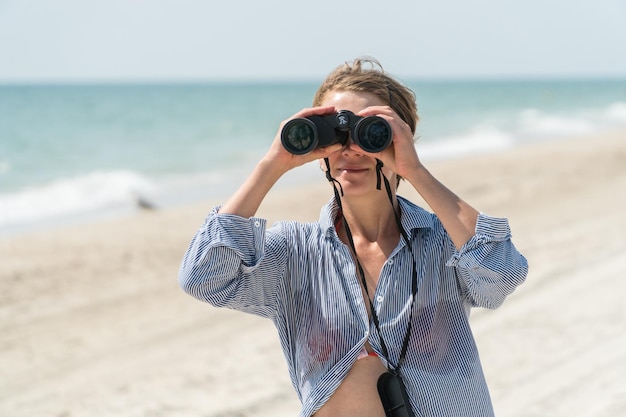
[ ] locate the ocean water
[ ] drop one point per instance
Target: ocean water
(72, 152)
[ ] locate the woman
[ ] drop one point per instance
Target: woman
(377, 283)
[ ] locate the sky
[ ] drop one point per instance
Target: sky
(202, 40)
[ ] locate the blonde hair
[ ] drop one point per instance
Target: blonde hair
(352, 76)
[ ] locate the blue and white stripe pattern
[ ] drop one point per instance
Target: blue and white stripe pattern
(301, 276)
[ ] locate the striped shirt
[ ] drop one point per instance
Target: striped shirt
(302, 277)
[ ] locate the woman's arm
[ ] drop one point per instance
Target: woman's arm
(457, 216)
(488, 266)
(277, 161)
(229, 263)
(232, 260)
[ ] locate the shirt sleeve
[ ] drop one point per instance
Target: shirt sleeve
(234, 262)
(488, 266)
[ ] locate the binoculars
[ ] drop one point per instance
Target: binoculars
(299, 136)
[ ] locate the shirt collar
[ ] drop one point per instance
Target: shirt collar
(412, 216)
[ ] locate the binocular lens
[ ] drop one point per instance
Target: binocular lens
(374, 134)
(299, 136)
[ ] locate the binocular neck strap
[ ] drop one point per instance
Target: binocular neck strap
(407, 241)
(361, 272)
(330, 179)
(379, 173)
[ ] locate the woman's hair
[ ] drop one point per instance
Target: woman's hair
(352, 76)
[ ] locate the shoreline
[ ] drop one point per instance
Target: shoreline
(94, 324)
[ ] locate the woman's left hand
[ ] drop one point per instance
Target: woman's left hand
(401, 156)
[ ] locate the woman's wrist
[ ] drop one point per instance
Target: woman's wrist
(417, 176)
(271, 169)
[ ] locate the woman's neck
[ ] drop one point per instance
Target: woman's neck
(371, 219)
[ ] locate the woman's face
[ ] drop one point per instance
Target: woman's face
(354, 169)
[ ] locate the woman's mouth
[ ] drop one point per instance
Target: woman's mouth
(352, 170)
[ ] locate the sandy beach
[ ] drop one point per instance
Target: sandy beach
(93, 323)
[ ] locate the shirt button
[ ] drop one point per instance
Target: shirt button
(390, 261)
(380, 298)
(257, 223)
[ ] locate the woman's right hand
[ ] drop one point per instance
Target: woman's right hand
(277, 161)
(278, 155)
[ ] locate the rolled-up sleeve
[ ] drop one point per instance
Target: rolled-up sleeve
(231, 263)
(488, 266)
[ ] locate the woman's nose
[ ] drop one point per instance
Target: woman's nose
(351, 148)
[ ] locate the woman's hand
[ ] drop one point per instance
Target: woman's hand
(277, 161)
(401, 156)
(278, 155)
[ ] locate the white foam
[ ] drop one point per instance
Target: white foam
(536, 124)
(70, 196)
(480, 139)
(616, 113)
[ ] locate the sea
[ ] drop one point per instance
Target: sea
(79, 152)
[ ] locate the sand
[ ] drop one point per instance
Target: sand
(93, 323)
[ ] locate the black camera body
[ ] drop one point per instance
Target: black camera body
(300, 136)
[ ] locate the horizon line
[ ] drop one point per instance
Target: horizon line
(298, 80)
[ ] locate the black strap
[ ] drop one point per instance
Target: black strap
(361, 273)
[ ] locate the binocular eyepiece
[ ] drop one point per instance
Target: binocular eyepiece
(299, 136)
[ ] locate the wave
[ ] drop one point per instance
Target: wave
(68, 197)
(535, 124)
(480, 139)
(581, 122)
(528, 125)
(616, 113)
(108, 193)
